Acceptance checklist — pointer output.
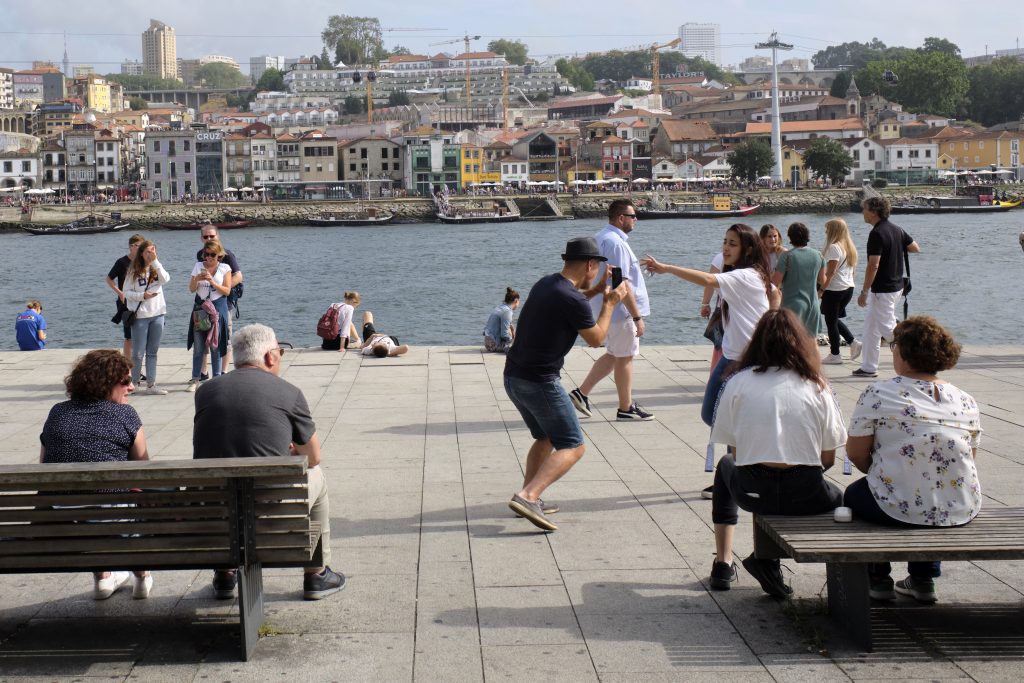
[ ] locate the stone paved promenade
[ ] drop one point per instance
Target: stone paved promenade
(422, 454)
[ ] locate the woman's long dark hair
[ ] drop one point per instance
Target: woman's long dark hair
(752, 255)
(138, 267)
(780, 341)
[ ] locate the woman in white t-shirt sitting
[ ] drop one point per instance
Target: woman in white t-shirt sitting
(346, 328)
(782, 420)
(840, 263)
(915, 436)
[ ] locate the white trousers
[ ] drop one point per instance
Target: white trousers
(879, 321)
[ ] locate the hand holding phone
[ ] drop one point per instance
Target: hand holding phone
(616, 277)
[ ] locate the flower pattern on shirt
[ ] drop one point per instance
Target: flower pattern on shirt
(922, 471)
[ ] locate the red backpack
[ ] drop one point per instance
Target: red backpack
(328, 327)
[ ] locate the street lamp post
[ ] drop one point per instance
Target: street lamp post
(775, 45)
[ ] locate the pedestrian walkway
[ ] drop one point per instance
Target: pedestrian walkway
(422, 453)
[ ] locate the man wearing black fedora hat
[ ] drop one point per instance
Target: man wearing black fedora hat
(555, 313)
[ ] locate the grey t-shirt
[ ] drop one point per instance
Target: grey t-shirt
(249, 412)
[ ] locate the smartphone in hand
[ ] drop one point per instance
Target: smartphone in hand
(616, 277)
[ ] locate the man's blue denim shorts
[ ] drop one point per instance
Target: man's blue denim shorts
(546, 410)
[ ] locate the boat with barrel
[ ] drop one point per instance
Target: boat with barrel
(971, 199)
(717, 205)
(88, 225)
(362, 216)
(229, 223)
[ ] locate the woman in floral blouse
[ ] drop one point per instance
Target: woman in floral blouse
(915, 436)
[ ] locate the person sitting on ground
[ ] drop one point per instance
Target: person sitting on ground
(251, 412)
(30, 327)
(346, 328)
(98, 425)
(378, 344)
(915, 436)
(499, 332)
(783, 423)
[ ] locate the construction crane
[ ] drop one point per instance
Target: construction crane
(656, 64)
(504, 97)
(466, 38)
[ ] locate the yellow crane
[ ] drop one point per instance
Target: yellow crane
(466, 38)
(656, 63)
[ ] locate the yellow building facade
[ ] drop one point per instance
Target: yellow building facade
(981, 151)
(97, 95)
(474, 169)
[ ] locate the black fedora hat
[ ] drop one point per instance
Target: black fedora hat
(581, 249)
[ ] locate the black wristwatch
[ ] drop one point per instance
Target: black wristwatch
(638, 319)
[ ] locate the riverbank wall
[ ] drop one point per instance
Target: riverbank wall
(421, 210)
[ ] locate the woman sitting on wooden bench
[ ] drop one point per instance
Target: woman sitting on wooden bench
(98, 425)
(915, 437)
(779, 414)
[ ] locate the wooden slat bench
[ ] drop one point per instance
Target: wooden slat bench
(225, 513)
(847, 548)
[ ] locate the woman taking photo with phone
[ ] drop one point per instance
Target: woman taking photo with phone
(144, 297)
(210, 281)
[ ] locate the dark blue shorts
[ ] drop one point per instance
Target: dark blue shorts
(546, 410)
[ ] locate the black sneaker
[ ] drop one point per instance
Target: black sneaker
(204, 376)
(224, 582)
(922, 590)
(769, 574)
(142, 377)
(318, 586)
(708, 493)
(723, 575)
(881, 588)
(581, 402)
(635, 412)
(861, 372)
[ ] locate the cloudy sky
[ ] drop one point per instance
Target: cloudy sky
(105, 32)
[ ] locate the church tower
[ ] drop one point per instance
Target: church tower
(853, 102)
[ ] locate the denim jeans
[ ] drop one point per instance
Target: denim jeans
(546, 410)
(146, 334)
(859, 498)
(199, 343)
(833, 307)
(712, 390)
(800, 490)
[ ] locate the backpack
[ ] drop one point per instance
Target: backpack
(234, 296)
(328, 327)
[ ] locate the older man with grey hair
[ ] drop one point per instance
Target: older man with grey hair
(252, 412)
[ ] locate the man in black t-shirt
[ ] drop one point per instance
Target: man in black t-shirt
(555, 313)
(115, 280)
(883, 281)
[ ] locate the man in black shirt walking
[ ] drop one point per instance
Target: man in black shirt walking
(883, 281)
(115, 280)
(555, 313)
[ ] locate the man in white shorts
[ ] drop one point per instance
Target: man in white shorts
(378, 344)
(627, 325)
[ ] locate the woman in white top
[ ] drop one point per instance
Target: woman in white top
(211, 281)
(746, 293)
(782, 420)
(144, 297)
(346, 328)
(840, 262)
(915, 437)
(772, 239)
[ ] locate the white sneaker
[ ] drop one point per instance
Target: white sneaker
(832, 359)
(104, 588)
(855, 348)
(193, 384)
(143, 584)
(154, 390)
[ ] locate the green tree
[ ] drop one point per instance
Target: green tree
(514, 50)
(137, 103)
(929, 82)
(398, 98)
(580, 78)
(841, 84)
(240, 101)
(996, 91)
(933, 44)
(355, 105)
(852, 54)
(220, 75)
(827, 158)
(323, 62)
(271, 79)
(354, 40)
(145, 82)
(400, 50)
(751, 159)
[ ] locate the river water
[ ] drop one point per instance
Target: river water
(436, 284)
